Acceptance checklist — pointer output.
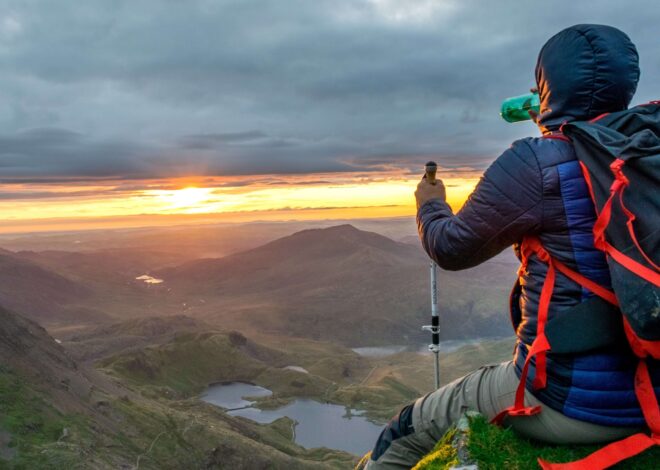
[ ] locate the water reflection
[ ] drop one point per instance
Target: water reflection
(231, 395)
(447, 346)
(317, 424)
(149, 280)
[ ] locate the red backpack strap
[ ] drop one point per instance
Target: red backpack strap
(640, 347)
(633, 445)
(612, 453)
(630, 446)
(616, 192)
(608, 455)
(617, 451)
(540, 346)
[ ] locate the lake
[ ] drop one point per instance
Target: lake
(318, 424)
(446, 346)
(148, 279)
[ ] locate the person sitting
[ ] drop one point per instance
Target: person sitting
(535, 188)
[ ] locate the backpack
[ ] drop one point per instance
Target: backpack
(620, 158)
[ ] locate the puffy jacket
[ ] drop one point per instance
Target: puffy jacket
(536, 188)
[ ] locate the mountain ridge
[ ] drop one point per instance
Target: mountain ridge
(338, 283)
(39, 293)
(325, 243)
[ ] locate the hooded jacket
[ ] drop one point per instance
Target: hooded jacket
(536, 188)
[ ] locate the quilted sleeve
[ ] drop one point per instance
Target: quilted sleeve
(506, 204)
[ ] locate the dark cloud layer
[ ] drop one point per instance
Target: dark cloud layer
(152, 89)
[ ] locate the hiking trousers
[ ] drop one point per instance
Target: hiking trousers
(487, 390)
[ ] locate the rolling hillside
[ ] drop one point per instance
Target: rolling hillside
(338, 284)
(55, 413)
(41, 294)
(341, 284)
(104, 340)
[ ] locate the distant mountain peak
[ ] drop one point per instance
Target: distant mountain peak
(338, 231)
(333, 242)
(319, 257)
(335, 230)
(348, 228)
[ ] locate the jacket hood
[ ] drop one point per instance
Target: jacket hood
(584, 71)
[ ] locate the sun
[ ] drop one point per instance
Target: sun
(186, 197)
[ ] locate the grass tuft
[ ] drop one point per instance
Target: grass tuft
(443, 455)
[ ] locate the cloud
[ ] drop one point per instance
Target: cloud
(57, 152)
(153, 89)
(209, 141)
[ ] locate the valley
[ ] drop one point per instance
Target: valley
(117, 378)
(340, 284)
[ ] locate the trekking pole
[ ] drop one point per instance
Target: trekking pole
(431, 169)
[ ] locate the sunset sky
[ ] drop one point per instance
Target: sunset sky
(134, 113)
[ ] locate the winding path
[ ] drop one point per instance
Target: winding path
(137, 462)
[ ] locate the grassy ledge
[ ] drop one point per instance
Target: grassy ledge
(492, 447)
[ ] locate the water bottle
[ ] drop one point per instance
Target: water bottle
(516, 109)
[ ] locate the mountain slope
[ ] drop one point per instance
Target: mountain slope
(342, 284)
(31, 352)
(45, 397)
(92, 287)
(41, 294)
(104, 340)
(102, 267)
(57, 414)
(326, 252)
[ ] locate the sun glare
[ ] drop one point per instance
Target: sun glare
(345, 197)
(186, 198)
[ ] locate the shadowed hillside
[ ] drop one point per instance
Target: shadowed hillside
(29, 351)
(298, 253)
(56, 414)
(341, 284)
(41, 294)
(105, 267)
(104, 340)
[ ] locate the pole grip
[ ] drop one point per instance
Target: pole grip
(430, 169)
(435, 323)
